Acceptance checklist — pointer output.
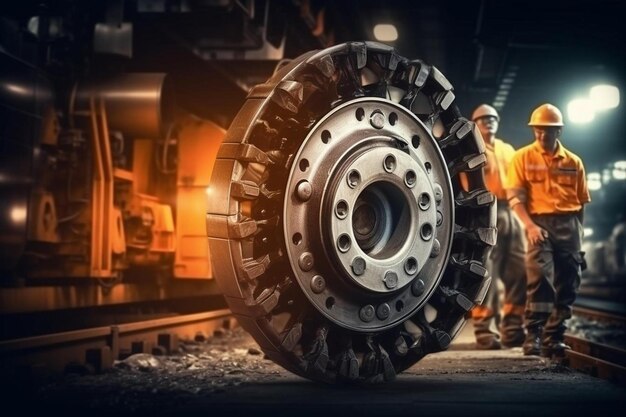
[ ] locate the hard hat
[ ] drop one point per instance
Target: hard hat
(484, 110)
(546, 115)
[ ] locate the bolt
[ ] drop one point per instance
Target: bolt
(354, 178)
(434, 252)
(318, 284)
(389, 164)
(344, 243)
(418, 287)
(383, 311)
(304, 190)
(305, 261)
(410, 177)
(367, 313)
(439, 218)
(426, 232)
(438, 192)
(424, 201)
(410, 266)
(358, 265)
(341, 209)
(377, 119)
(391, 280)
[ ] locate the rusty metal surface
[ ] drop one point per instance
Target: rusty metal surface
(99, 347)
(138, 104)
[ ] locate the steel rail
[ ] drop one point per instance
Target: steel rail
(596, 359)
(99, 346)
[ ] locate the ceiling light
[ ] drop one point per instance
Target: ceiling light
(385, 33)
(604, 97)
(581, 110)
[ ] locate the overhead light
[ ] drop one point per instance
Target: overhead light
(604, 96)
(581, 110)
(588, 232)
(385, 32)
(18, 214)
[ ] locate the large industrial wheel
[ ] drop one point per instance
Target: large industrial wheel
(338, 229)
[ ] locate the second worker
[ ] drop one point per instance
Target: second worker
(506, 261)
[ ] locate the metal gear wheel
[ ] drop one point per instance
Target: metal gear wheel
(339, 231)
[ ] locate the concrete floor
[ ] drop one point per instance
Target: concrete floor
(235, 382)
(458, 382)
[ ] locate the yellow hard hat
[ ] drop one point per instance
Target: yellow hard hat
(484, 110)
(546, 115)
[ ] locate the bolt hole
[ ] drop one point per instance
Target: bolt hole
(360, 114)
(354, 178)
(341, 210)
(415, 141)
(393, 118)
(424, 201)
(325, 136)
(410, 178)
(344, 243)
(390, 163)
(426, 231)
(296, 239)
(304, 165)
(330, 302)
(410, 266)
(428, 167)
(399, 305)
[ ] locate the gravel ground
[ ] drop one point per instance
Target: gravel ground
(144, 383)
(227, 374)
(607, 333)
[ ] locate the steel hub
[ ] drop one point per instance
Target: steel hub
(373, 177)
(338, 228)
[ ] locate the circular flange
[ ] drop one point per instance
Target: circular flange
(319, 182)
(372, 213)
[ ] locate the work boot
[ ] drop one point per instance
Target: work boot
(553, 334)
(512, 331)
(554, 347)
(483, 319)
(487, 341)
(532, 343)
(516, 340)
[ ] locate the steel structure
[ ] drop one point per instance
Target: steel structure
(338, 228)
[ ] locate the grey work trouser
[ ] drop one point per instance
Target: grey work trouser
(506, 263)
(554, 270)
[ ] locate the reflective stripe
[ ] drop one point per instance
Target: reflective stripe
(540, 307)
(481, 312)
(513, 309)
(556, 183)
(517, 196)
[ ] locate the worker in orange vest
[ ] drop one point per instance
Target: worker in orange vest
(506, 259)
(548, 191)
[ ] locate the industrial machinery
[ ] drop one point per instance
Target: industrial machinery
(338, 229)
(341, 237)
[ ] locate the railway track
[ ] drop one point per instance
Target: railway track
(94, 349)
(596, 359)
(593, 357)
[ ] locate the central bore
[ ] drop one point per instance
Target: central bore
(381, 219)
